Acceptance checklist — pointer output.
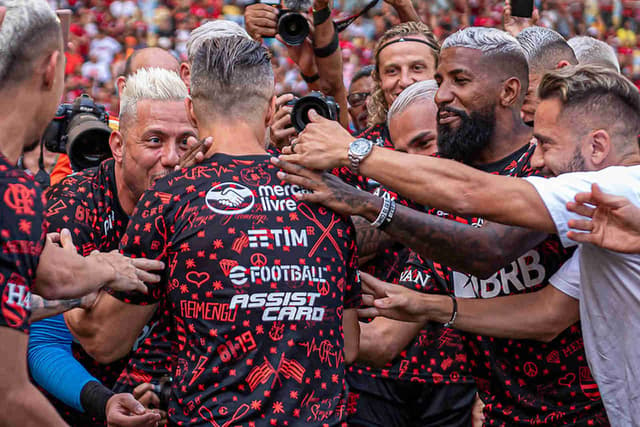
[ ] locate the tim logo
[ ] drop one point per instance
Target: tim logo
(230, 198)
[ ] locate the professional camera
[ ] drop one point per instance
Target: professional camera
(82, 131)
(292, 25)
(326, 106)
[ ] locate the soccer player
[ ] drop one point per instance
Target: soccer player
(483, 78)
(262, 289)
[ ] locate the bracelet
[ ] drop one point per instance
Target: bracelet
(389, 217)
(449, 324)
(310, 79)
(94, 397)
(384, 212)
(323, 52)
(321, 16)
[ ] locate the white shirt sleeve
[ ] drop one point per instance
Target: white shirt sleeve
(567, 279)
(556, 192)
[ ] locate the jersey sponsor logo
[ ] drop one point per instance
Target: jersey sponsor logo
(230, 198)
(527, 267)
(417, 277)
(271, 201)
(240, 275)
(277, 237)
(16, 302)
(207, 311)
(281, 305)
(19, 198)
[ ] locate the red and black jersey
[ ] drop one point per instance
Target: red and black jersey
(256, 283)
(87, 204)
(525, 382)
(22, 239)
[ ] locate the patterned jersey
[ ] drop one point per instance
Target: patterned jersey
(87, 204)
(256, 283)
(21, 242)
(526, 382)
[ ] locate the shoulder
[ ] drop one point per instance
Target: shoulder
(75, 186)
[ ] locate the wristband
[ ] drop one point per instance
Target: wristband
(310, 79)
(384, 212)
(321, 16)
(323, 52)
(449, 324)
(94, 397)
(389, 217)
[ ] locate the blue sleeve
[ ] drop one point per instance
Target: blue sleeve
(52, 364)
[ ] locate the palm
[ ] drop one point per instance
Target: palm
(617, 228)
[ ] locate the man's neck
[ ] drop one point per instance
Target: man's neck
(234, 138)
(509, 136)
(16, 126)
(125, 196)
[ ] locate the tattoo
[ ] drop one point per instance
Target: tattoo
(370, 240)
(42, 308)
(480, 251)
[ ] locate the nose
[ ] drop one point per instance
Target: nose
(406, 79)
(537, 159)
(443, 96)
(170, 155)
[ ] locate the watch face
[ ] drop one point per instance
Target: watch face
(360, 147)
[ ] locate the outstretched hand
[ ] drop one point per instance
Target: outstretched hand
(391, 301)
(614, 221)
(196, 152)
(123, 410)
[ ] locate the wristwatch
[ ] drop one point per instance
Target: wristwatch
(358, 151)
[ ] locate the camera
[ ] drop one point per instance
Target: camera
(326, 106)
(163, 390)
(81, 130)
(292, 25)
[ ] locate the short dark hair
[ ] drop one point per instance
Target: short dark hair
(362, 73)
(232, 76)
(597, 95)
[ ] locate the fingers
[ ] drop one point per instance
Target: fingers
(368, 299)
(53, 237)
(144, 394)
(609, 200)
(196, 152)
(297, 180)
(127, 402)
(3, 11)
(581, 224)
(147, 277)
(371, 285)
(581, 237)
(283, 99)
(535, 16)
(147, 264)
(367, 313)
(581, 209)
(293, 168)
(124, 420)
(292, 157)
(142, 389)
(66, 241)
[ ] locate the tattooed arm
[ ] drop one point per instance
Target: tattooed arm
(479, 251)
(371, 240)
(42, 308)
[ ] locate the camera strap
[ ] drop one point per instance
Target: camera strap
(342, 24)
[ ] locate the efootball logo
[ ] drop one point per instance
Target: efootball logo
(230, 198)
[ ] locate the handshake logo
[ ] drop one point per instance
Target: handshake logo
(230, 198)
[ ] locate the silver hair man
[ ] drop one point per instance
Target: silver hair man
(211, 30)
(545, 49)
(593, 51)
(417, 92)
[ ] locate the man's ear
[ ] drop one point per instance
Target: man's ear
(120, 82)
(510, 93)
(271, 111)
(50, 66)
(116, 142)
(191, 113)
(600, 146)
(185, 74)
(562, 64)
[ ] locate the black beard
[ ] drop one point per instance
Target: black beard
(470, 138)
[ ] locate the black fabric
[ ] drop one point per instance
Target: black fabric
(94, 397)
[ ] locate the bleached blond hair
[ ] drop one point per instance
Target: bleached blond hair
(417, 92)
(153, 84)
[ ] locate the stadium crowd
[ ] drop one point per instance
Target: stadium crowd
(319, 213)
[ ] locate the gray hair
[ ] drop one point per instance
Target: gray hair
(232, 77)
(544, 48)
(593, 51)
(30, 30)
(212, 30)
(417, 92)
(503, 53)
(153, 84)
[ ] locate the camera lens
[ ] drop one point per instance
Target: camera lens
(88, 141)
(300, 111)
(293, 28)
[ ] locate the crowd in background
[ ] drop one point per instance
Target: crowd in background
(105, 32)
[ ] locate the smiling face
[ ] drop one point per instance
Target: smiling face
(402, 64)
(154, 141)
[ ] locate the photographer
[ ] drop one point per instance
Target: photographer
(31, 84)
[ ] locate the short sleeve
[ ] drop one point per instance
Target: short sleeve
(147, 236)
(21, 241)
(567, 278)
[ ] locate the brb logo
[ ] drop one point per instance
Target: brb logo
(281, 305)
(230, 198)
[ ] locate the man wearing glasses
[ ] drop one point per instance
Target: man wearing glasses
(359, 90)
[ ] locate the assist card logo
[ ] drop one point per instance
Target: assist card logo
(230, 198)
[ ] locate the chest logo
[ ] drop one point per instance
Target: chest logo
(230, 198)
